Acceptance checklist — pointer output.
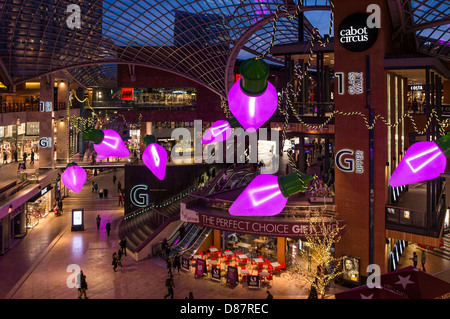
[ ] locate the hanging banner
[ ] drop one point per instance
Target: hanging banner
(200, 267)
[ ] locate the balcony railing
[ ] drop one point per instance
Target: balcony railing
(19, 107)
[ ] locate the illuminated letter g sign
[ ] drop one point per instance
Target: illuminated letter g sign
(346, 165)
(137, 197)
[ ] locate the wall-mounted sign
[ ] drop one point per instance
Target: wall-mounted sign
(355, 35)
(267, 228)
(346, 162)
(355, 82)
(126, 94)
(45, 106)
(416, 87)
(138, 197)
(45, 142)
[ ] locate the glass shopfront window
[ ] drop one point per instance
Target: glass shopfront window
(38, 207)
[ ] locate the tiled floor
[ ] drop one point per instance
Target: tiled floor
(38, 266)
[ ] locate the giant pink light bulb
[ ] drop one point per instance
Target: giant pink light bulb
(218, 132)
(112, 145)
(252, 99)
(422, 161)
(252, 111)
(155, 157)
(74, 177)
(267, 195)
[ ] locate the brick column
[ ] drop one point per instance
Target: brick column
(352, 187)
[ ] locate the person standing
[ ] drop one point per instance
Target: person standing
(114, 179)
(25, 157)
(82, 285)
(119, 187)
(32, 158)
(15, 156)
(423, 259)
(60, 206)
(108, 227)
(414, 259)
(170, 285)
(119, 259)
(98, 219)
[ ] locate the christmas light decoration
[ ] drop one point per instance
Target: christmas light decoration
(252, 99)
(220, 131)
(422, 161)
(74, 177)
(107, 143)
(155, 157)
(267, 195)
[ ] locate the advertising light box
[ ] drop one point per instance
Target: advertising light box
(77, 219)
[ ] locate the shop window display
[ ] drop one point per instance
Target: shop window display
(37, 210)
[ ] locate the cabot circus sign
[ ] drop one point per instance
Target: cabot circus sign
(356, 33)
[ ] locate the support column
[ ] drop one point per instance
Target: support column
(361, 196)
(46, 123)
(281, 244)
(217, 235)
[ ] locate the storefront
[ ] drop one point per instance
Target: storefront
(275, 239)
(416, 98)
(39, 206)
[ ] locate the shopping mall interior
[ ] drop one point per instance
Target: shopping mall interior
(233, 148)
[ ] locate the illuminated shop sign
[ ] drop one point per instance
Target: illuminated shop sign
(346, 162)
(257, 227)
(126, 94)
(417, 87)
(356, 34)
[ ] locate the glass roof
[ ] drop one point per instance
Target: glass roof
(431, 20)
(201, 40)
(197, 39)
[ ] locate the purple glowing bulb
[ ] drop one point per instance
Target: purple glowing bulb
(267, 195)
(111, 145)
(155, 158)
(252, 111)
(262, 197)
(422, 161)
(218, 132)
(74, 177)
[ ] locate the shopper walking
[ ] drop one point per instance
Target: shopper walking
(32, 158)
(414, 259)
(169, 285)
(119, 255)
(98, 219)
(108, 227)
(119, 187)
(123, 245)
(114, 179)
(177, 262)
(423, 259)
(120, 200)
(82, 285)
(115, 261)
(25, 157)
